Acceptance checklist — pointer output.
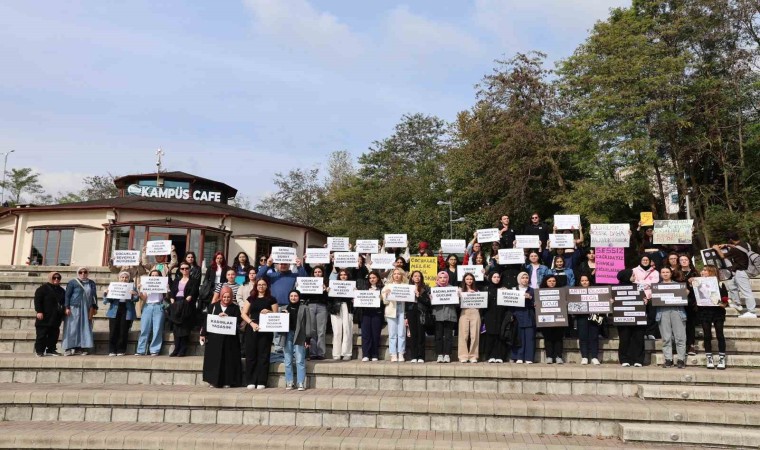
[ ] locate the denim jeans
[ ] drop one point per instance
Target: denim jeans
(397, 331)
(152, 320)
(300, 352)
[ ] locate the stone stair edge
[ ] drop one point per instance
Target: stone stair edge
(722, 435)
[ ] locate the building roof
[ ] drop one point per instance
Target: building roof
(123, 182)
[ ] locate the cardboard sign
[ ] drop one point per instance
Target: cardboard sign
(346, 259)
(551, 307)
(274, 322)
(567, 221)
(610, 235)
(343, 289)
(283, 255)
(158, 248)
(710, 256)
(527, 241)
(647, 219)
(706, 291)
(428, 265)
(670, 294)
(126, 258)
(401, 293)
(473, 299)
(221, 325)
(561, 241)
(316, 256)
(511, 256)
(154, 285)
(395, 241)
(672, 231)
(475, 270)
(120, 291)
(310, 285)
(338, 244)
(511, 297)
(382, 260)
(590, 300)
(488, 235)
(367, 299)
(444, 296)
(449, 246)
(609, 261)
(367, 246)
(628, 308)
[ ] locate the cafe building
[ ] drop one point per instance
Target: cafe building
(191, 211)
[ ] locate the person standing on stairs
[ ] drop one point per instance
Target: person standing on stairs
(152, 320)
(445, 323)
(81, 306)
(394, 315)
(738, 252)
(121, 314)
(714, 316)
(48, 304)
(672, 321)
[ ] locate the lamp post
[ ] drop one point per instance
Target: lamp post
(5, 168)
(451, 214)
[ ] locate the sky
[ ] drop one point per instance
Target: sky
(237, 90)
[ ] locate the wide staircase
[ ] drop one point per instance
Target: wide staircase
(97, 401)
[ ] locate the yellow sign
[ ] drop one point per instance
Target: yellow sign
(427, 265)
(646, 219)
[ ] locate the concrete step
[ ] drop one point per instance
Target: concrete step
(701, 393)
(22, 268)
(748, 360)
(725, 436)
(30, 284)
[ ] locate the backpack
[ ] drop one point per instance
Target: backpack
(753, 267)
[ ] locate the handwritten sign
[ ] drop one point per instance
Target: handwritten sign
(367, 299)
(126, 258)
(221, 325)
(275, 322)
(401, 293)
(310, 285)
(511, 297)
(511, 256)
(609, 261)
(647, 219)
(317, 256)
(120, 291)
(367, 246)
(158, 248)
(383, 260)
(610, 235)
(154, 285)
(561, 241)
(527, 241)
(283, 255)
(444, 296)
(340, 288)
(551, 308)
(670, 294)
(589, 300)
(475, 270)
(449, 246)
(706, 291)
(473, 299)
(346, 259)
(628, 307)
(338, 244)
(395, 241)
(672, 231)
(567, 221)
(427, 265)
(488, 235)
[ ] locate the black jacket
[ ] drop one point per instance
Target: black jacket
(191, 289)
(48, 300)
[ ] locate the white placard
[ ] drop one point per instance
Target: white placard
(444, 296)
(511, 256)
(400, 293)
(346, 259)
(672, 231)
(567, 221)
(221, 325)
(158, 248)
(274, 322)
(338, 244)
(475, 270)
(126, 258)
(283, 255)
(317, 256)
(706, 291)
(395, 241)
(488, 235)
(367, 299)
(310, 285)
(120, 291)
(154, 285)
(473, 299)
(610, 235)
(527, 241)
(453, 246)
(371, 246)
(383, 261)
(561, 241)
(511, 297)
(339, 288)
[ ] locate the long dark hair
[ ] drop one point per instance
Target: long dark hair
(422, 278)
(214, 267)
(236, 263)
(195, 259)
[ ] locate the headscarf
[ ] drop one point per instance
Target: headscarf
(492, 288)
(643, 267)
(124, 272)
(444, 274)
(81, 269)
(224, 290)
(519, 275)
(51, 275)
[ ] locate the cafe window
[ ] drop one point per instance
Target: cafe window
(212, 243)
(52, 247)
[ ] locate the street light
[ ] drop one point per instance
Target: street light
(5, 167)
(452, 221)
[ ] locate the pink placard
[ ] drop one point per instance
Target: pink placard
(609, 261)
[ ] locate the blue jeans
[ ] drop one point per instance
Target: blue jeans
(397, 331)
(152, 320)
(300, 352)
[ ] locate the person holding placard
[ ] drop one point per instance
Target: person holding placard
(319, 317)
(737, 251)
(646, 274)
(536, 227)
(469, 325)
(214, 277)
(399, 263)
(495, 350)
(417, 315)
(565, 276)
(48, 306)
(631, 337)
(81, 301)
(152, 319)
(672, 321)
(526, 324)
(473, 248)
(714, 316)
(445, 322)
(554, 337)
(450, 266)
(647, 245)
(183, 294)
(588, 266)
(394, 315)
(424, 249)
(535, 270)
(687, 271)
(258, 344)
(297, 340)
(372, 320)
(588, 331)
(221, 359)
(161, 263)
(121, 313)
(342, 320)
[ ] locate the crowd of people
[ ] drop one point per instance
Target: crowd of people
(496, 334)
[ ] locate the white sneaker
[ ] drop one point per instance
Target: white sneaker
(301, 387)
(251, 386)
(491, 360)
(595, 361)
(549, 361)
(584, 361)
(626, 365)
(260, 386)
(528, 362)
(560, 361)
(336, 358)
(112, 354)
(374, 359)
(440, 359)
(637, 365)
(499, 361)
(394, 358)
(446, 358)
(650, 337)
(413, 361)
(519, 361)
(365, 359)
(401, 357)
(748, 315)
(420, 361)
(346, 358)
(473, 360)
(288, 386)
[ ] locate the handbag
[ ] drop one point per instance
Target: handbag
(333, 307)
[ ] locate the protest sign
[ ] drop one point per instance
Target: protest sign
(610, 235)
(473, 269)
(274, 322)
(154, 285)
(367, 246)
(340, 288)
(609, 261)
(221, 325)
(158, 248)
(126, 258)
(589, 300)
(427, 265)
(120, 291)
(310, 285)
(283, 255)
(710, 256)
(473, 299)
(672, 231)
(706, 291)
(628, 307)
(400, 293)
(670, 294)
(346, 259)
(647, 219)
(551, 307)
(316, 256)
(511, 297)
(527, 241)
(449, 246)
(366, 299)
(511, 256)
(338, 244)
(382, 261)
(561, 241)
(444, 296)
(395, 241)
(567, 221)
(488, 235)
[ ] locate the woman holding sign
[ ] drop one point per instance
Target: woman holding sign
(221, 360)
(258, 344)
(713, 316)
(588, 331)
(152, 319)
(317, 304)
(417, 315)
(342, 320)
(372, 320)
(494, 316)
(526, 323)
(394, 315)
(81, 303)
(672, 321)
(121, 313)
(554, 337)
(445, 321)
(469, 324)
(182, 295)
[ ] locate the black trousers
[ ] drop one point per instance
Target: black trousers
(494, 347)
(180, 345)
(588, 336)
(707, 329)
(631, 345)
(118, 328)
(258, 347)
(417, 335)
(444, 337)
(47, 337)
(653, 328)
(554, 341)
(691, 326)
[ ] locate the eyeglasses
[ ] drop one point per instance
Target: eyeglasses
(534, 217)
(56, 277)
(184, 268)
(81, 272)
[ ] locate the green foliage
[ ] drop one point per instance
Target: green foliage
(19, 182)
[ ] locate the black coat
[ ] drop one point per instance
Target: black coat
(48, 300)
(221, 357)
(494, 314)
(191, 289)
(182, 317)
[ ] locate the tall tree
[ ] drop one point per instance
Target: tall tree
(296, 199)
(22, 181)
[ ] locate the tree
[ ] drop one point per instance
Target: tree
(99, 187)
(296, 199)
(241, 201)
(22, 181)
